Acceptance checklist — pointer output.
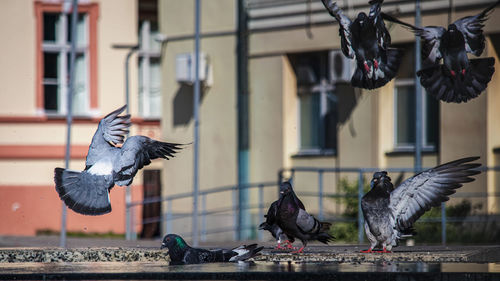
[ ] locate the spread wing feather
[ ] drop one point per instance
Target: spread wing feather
(344, 27)
(429, 188)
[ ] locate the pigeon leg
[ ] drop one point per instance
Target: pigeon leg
(289, 245)
(375, 63)
(385, 251)
(463, 72)
(367, 68)
(366, 251)
(278, 247)
(301, 250)
(453, 73)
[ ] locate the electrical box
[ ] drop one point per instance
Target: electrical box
(341, 67)
(185, 69)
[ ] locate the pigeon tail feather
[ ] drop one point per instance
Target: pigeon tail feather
(438, 81)
(387, 70)
(245, 252)
(82, 192)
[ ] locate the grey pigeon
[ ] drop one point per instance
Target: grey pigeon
(459, 78)
(367, 40)
(181, 253)
(295, 222)
(87, 192)
(390, 212)
(272, 226)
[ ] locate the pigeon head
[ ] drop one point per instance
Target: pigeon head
(452, 28)
(379, 177)
(176, 246)
(362, 17)
(285, 188)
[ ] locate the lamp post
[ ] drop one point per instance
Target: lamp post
(128, 194)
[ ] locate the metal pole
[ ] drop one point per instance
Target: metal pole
(443, 223)
(204, 217)
(320, 192)
(196, 120)
(261, 212)
(69, 116)
(128, 192)
(243, 132)
(418, 95)
(361, 221)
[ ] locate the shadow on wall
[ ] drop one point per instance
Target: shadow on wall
(183, 104)
(347, 97)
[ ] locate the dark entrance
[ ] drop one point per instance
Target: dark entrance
(151, 211)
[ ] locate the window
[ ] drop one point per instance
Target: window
(404, 111)
(149, 61)
(317, 104)
(53, 49)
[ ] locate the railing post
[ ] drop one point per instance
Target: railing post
(128, 232)
(443, 223)
(320, 192)
(236, 230)
(204, 217)
(261, 206)
(360, 212)
(168, 217)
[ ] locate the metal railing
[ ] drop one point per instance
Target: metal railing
(261, 206)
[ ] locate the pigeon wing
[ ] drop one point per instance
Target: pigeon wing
(383, 36)
(430, 34)
(344, 27)
(137, 152)
(418, 194)
(111, 131)
(472, 29)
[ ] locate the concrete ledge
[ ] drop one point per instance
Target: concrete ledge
(313, 254)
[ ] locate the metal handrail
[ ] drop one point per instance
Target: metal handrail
(169, 216)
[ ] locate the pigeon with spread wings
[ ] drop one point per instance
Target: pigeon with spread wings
(459, 78)
(367, 40)
(87, 192)
(390, 212)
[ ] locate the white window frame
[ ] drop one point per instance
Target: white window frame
(408, 147)
(62, 47)
(146, 53)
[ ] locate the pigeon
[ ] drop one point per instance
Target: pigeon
(390, 212)
(181, 253)
(458, 79)
(271, 225)
(87, 192)
(295, 222)
(367, 40)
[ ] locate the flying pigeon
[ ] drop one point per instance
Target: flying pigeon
(459, 78)
(295, 222)
(87, 192)
(181, 253)
(271, 225)
(367, 40)
(390, 212)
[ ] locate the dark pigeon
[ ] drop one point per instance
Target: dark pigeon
(367, 40)
(295, 222)
(458, 79)
(181, 253)
(390, 212)
(87, 192)
(272, 226)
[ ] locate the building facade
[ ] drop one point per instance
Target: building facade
(34, 86)
(302, 112)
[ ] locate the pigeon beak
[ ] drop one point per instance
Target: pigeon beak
(163, 246)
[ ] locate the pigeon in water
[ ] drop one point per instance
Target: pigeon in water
(272, 226)
(367, 40)
(87, 192)
(295, 222)
(458, 79)
(181, 253)
(390, 212)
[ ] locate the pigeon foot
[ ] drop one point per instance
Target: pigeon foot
(367, 251)
(301, 250)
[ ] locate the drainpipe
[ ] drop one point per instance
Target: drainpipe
(418, 95)
(243, 128)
